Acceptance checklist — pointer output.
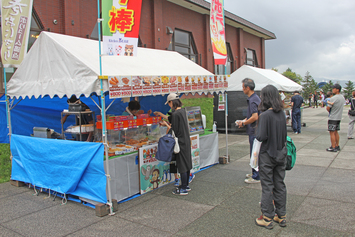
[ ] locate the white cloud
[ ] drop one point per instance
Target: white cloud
(315, 36)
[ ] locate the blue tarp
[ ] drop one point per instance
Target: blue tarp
(68, 167)
(45, 112)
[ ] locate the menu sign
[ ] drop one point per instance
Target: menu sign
(173, 85)
(125, 86)
(165, 89)
(147, 86)
(137, 87)
(157, 86)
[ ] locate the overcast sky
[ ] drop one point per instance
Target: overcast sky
(314, 35)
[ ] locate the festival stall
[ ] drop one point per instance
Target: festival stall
(237, 100)
(60, 65)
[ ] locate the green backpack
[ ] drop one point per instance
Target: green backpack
(291, 153)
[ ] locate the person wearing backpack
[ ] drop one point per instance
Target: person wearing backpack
(181, 129)
(272, 132)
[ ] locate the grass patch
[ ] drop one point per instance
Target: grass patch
(206, 105)
(5, 163)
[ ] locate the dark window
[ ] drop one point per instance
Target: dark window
(251, 58)
(183, 42)
(221, 69)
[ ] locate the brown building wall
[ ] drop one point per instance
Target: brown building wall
(156, 16)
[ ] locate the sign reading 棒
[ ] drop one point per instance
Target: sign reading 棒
(120, 26)
(217, 30)
(15, 28)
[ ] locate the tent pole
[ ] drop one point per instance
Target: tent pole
(8, 115)
(103, 113)
(226, 97)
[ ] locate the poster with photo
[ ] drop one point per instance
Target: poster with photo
(125, 85)
(157, 85)
(173, 84)
(165, 81)
(137, 86)
(147, 86)
(195, 152)
(153, 173)
(181, 84)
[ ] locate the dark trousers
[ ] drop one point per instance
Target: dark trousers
(184, 179)
(254, 172)
(296, 120)
(273, 188)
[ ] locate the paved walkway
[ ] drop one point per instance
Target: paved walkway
(320, 200)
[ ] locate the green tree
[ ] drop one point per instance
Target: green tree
(275, 69)
(348, 89)
(292, 75)
(309, 85)
(327, 87)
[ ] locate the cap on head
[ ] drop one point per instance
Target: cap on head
(172, 96)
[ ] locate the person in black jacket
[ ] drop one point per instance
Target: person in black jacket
(272, 132)
(181, 129)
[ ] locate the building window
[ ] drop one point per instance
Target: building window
(228, 68)
(251, 58)
(183, 43)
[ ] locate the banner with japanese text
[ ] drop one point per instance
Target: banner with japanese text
(120, 26)
(15, 27)
(217, 31)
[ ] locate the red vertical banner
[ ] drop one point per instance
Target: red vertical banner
(120, 27)
(217, 30)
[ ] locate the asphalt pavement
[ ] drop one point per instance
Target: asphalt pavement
(320, 197)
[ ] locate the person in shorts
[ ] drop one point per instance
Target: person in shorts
(335, 108)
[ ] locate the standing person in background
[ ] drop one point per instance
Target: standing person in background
(315, 99)
(272, 133)
(181, 129)
(250, 122)
(310, 96)
(351, 117)
(296, 103)
(335, 108)
(322, 97)
(134, 108)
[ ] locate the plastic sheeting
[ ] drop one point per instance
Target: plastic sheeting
(68, 167)
(45, 112)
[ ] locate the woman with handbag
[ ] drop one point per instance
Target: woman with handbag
(181, 129)
(351, 117)
(272, 132)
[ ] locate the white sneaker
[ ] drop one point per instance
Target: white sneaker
(251, 181)
(248, 175)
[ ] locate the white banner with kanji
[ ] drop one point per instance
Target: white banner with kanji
(15, 27)
(120, 27)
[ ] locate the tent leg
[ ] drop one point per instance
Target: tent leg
(226, 124)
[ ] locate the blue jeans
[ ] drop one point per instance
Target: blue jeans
(254, 172)
(296, 120)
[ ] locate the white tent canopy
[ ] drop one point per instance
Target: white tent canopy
(262, 78)
(65, 65)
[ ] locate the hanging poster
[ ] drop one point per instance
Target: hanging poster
(125, 86)
(153, 173)
(137, 86)
(157, 85)
(165, 88)
(211, 83)
(181, 84)
(147, 86)
(217, 32)
(15, 28)
(173, 84)
(114, 89)
(221, 102)
(120, 26)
